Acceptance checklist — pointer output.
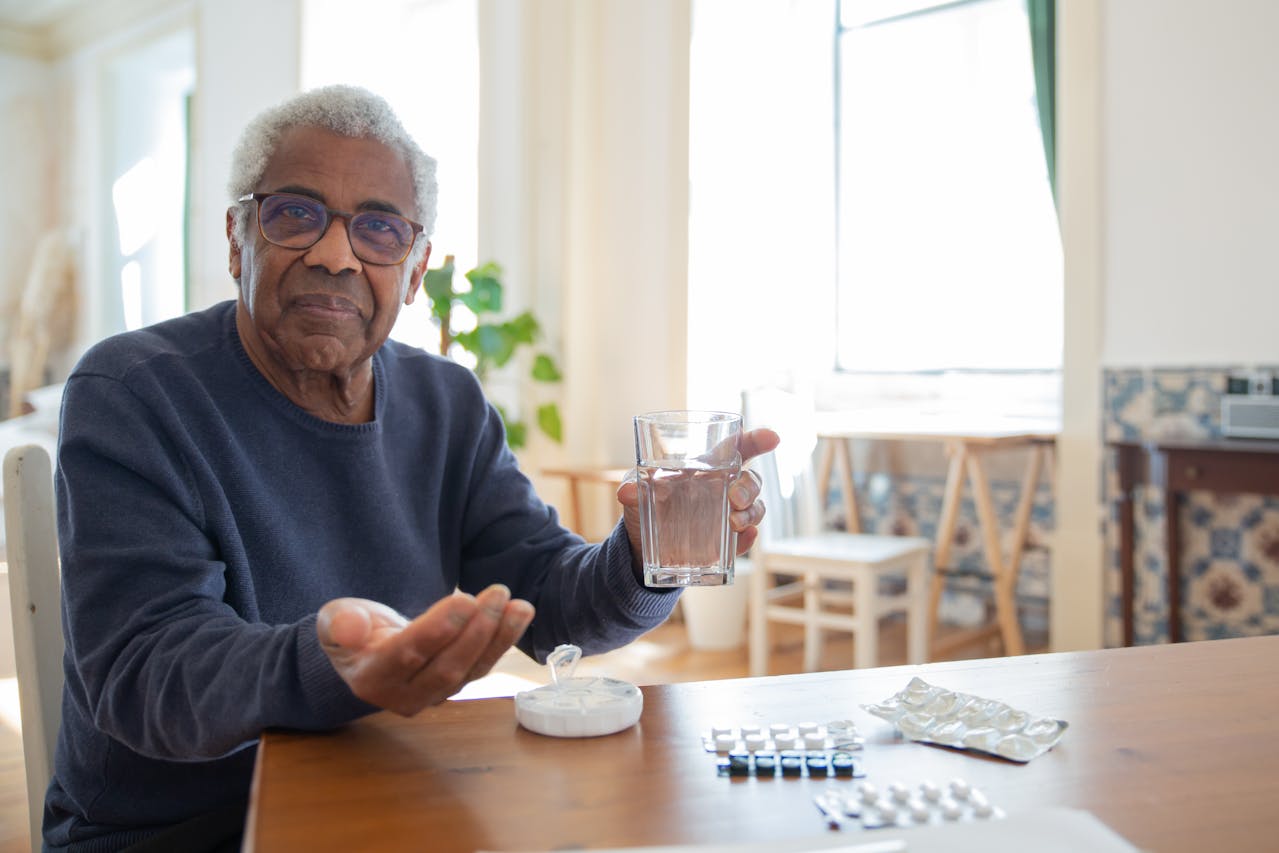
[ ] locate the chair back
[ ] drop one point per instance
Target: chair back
(792, 505)
(35, 589)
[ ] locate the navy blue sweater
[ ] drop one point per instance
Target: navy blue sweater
(203, 519)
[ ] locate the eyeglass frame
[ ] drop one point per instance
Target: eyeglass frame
(332, 214)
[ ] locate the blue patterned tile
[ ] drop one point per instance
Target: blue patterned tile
(1226, 543)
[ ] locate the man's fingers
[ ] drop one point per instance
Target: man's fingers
(515, 620)
(449, 669)
(628, 493)
(744, 490)
(757, 442)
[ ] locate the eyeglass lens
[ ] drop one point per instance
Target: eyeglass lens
(298, 222)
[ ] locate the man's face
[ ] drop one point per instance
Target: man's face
(322, 308)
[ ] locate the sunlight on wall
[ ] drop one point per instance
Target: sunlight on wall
(423, 57)
(10, 717)
(761, 198)
(146, 159)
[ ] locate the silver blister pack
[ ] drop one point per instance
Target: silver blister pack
(929, 714)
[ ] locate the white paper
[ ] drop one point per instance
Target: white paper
(1049, 830)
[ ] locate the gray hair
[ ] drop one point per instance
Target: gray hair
(344, 110)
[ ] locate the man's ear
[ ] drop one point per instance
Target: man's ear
(234, 264)
(415, 277)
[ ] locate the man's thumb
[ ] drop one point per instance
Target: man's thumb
(345, 624)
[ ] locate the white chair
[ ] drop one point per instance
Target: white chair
(35, 593)
(802, 574)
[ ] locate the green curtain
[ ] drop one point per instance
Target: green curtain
(1043, 51)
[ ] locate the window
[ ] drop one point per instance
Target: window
(949, 257)
(149, 90)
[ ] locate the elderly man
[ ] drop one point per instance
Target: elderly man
(250, 496)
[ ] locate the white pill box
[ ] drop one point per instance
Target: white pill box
(580, 707)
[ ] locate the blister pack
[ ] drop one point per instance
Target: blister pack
(929, 714)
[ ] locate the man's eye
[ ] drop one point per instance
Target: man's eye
(297, 211)
(376, 224)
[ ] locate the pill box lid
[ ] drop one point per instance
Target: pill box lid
(580, 707)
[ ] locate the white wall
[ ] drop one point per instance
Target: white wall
(590, 204)
(235, 80)
(27, 170)
(1191, 200)
(1077, 598)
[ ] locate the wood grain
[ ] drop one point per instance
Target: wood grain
(1173, 746)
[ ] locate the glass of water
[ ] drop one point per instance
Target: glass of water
(686, 461)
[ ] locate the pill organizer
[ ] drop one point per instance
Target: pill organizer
(578, 707)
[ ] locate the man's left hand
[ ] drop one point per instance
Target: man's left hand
(743, 495)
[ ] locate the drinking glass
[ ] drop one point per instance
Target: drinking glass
(686, 461)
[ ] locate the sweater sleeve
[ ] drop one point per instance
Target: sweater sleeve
(158, 658)
(585, 594)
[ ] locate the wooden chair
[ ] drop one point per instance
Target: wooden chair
(35, 589)
(822, 579)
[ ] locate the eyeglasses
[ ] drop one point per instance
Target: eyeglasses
(299, 222)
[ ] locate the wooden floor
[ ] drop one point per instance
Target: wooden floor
(661, 656)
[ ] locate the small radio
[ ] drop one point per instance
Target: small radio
(1250, 407)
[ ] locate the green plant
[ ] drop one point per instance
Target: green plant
(492, 343)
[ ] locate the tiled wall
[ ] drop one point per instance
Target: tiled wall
(1230, 543)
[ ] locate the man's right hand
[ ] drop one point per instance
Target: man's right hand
(405, 666)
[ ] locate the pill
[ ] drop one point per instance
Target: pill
(983, 810)
(805, 728)
(779, 729)
(814, 740)
(786, 741)
(868, 792)
(919, 812)
(754, 743)
(929, 789)
(887, 811)
(951, 810)
(960, 788)
(716, 731)
(765, 764)
(898, 792)
(750, 729)
(792, 766)
(842, 764)
(724, 743)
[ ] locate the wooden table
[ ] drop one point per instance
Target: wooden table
(1173, 746)
(967, 443)
(1224, 465)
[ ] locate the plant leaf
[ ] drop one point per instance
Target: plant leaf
(545, 370)
(485, 295)
(438, 284)
(523, 328)
(548, 419)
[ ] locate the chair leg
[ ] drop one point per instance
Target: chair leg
(935, 589)
(812, 631)
(917, 610)
(758, 619)
(866, 620)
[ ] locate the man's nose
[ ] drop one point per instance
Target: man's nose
(333, 250)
